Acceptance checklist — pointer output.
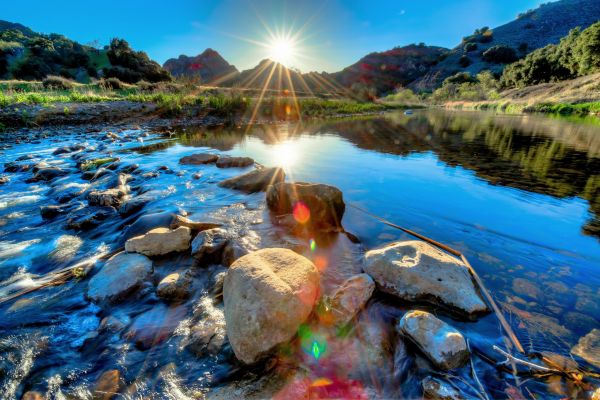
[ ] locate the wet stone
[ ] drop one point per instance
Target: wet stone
(89, 217)
(255, 181)
(108, 385)
(209, 244)
(175, 286)
(156, 325)
(234, 162)
(199, 159)
(160, 241)
(436, 389)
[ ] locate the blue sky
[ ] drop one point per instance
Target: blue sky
(336, 33)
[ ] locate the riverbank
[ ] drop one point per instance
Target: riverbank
(578, 97)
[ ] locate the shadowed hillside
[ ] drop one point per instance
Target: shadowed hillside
(531, 30)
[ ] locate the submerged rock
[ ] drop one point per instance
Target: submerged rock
(317, 205)
(234, 162)
(175, 286)
(89, 218)
(121, 275)
(199, 159)
(108, 385)
(267, 295)
(350, 298)
(255, 181)
(50, 212)
(160, 241)
(208, 334)
(48, 174)
(417, 271)
(588, 348)
(156, 325)
(436, 389)
(209, 244)
(443, 345)
(4, 180)
(32, 395)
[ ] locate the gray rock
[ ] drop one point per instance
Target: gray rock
(209, 244)
(267, 295)
(316, 205)
(350, 298)
(89, 217)
(417, 271)
(234, 162)
(160, 241)
(208, 334)
(255, 181)
(175, 286)
(199, 159)
(120, 276)
(48, 174)
(436, 389)
(443, 345)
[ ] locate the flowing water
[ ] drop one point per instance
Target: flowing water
(518, 195)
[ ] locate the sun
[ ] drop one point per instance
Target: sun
(282, 50)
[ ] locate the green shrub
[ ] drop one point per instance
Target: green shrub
(113, 83)
(57, 83)
(470, 47)
(500, 54)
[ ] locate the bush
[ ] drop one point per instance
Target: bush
(460, 77)
(470, 47)
(500, 54)
(57, 83)
(113, 83)
(132, 66)
(464, 61)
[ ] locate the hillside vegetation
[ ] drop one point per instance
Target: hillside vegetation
(27, 55)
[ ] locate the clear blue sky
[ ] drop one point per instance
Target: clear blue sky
(337, 33)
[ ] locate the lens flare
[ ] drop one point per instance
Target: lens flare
(313, 245)
(301, 212)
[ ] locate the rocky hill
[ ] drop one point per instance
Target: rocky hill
(209, 66)
(387, 70)
(531, 30)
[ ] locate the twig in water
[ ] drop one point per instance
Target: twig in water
(481, 388)
(536, 367)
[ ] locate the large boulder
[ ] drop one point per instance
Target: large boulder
(417, 271)
(317, 205)
(443, 345)
(199, 159)
(255, 181)
(121, 275)
(350, 298)
(160, 241)
(267, 295)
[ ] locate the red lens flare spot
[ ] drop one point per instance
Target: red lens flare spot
(321, 263)
(301, 212)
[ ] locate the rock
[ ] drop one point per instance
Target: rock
(108, 385)
(4, 180)
(199, 159)
(234, 162)
(93, 175)
(14, 167)
(27, 157)
(267, 295)
(51, 212)
(232, 251)
(317, 205)
(525, 287)
(588, 348)
(160, 241)
(121, 275)
(209, 334)
(32, 395)
(350, 298)
(113, 323)
(193, 225)
(417, 271)
(147, 222)
(89, 218)
(209, 244)
(107, 198)
(443, 345)
(134, 205)
(255, 181)
(48, 174)
(596, 394)
(156, 325)
(175, 286)
(436, 389)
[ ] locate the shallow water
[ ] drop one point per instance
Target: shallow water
(519, 195)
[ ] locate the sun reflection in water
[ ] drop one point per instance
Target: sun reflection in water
(285, 155)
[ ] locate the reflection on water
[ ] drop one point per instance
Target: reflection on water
(519, 195)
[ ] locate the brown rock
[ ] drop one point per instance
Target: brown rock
(255, 181)
(108, 385)
(199, 159)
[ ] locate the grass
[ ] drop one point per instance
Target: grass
(509, 107)
(177, 100)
